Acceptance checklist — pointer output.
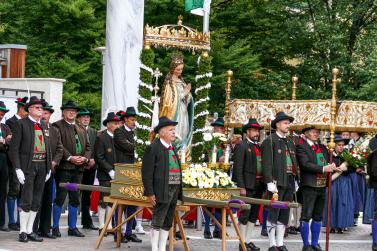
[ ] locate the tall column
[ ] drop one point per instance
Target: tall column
(124, 42)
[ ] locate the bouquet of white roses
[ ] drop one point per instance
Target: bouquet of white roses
(200, 176)
(213, 139)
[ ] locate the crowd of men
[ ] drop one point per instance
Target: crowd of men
(36, 156)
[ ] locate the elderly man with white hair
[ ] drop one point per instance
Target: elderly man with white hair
(162, 180)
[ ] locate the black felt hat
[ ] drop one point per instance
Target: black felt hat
(280, 116)
(111, 116)
(252, 123)
(21, 101)
(33, 101)
(3, 107)
(307, 128)
(84, 112)
(218, 122)
(164, 121)
(46, 106)
(339, 138)
(70, 105)
(130, 112)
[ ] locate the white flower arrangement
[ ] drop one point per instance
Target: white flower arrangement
(143, 127)
(145, 115)
(207, 136)
(207, 86)
(148, 86)
(206, 99)
(200, 176)
(203, 113)
(144, 100)
(150, 70)
(206, 75)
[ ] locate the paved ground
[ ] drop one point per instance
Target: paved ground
(357, 238)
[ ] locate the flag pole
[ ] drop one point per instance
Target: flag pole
(206, 21)
(335, 72)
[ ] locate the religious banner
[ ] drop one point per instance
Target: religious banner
(351, 115)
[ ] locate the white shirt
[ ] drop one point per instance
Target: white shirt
(127, 128)
(69, 122)
(17, 116)
(164, 143)
(34, 120)
(311, 143)
(110, 134)
(281, 136)
(252, 142)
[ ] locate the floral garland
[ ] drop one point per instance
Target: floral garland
(145, 106)
(202, 87)
(200, 176)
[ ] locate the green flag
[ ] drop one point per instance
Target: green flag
(193, 4)
(198, 7)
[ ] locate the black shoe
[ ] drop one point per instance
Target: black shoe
(251, 246)
(34, 237)
(56, 232)
(240, 248)
(273, 248)
(14, 227)
(90, 227)
(307, 248)
(264, 232)
(292, 230)
(22, 237)
(99, 232)
(286, 233)
(207, 235)
(132, 238)
(216, 234)
(4, 229)
(317, 248)
(282, 248)
(332, 231)
(123, 240)
(374, 247)
(47, 235)
(75, 232)
(340, 231)
(178, 236)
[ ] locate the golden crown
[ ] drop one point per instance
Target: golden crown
(177, 59)
(176, 36)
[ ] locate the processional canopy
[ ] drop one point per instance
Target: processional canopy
(357, 116)
(176, 36)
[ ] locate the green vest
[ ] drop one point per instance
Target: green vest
(174, 168)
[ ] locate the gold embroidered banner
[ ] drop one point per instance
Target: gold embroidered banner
(351, 116)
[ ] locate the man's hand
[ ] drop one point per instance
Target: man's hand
(243, 191)
(53, 165)
(152, 200)
(112, 174)
(91, 163)
(359, 170)
(222, 159)
(20, 176)
(272, 187)
(329, 168)
(75, 160)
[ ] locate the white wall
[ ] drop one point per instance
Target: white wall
(50, 88)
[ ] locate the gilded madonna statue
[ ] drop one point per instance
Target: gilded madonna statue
(177, 102)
